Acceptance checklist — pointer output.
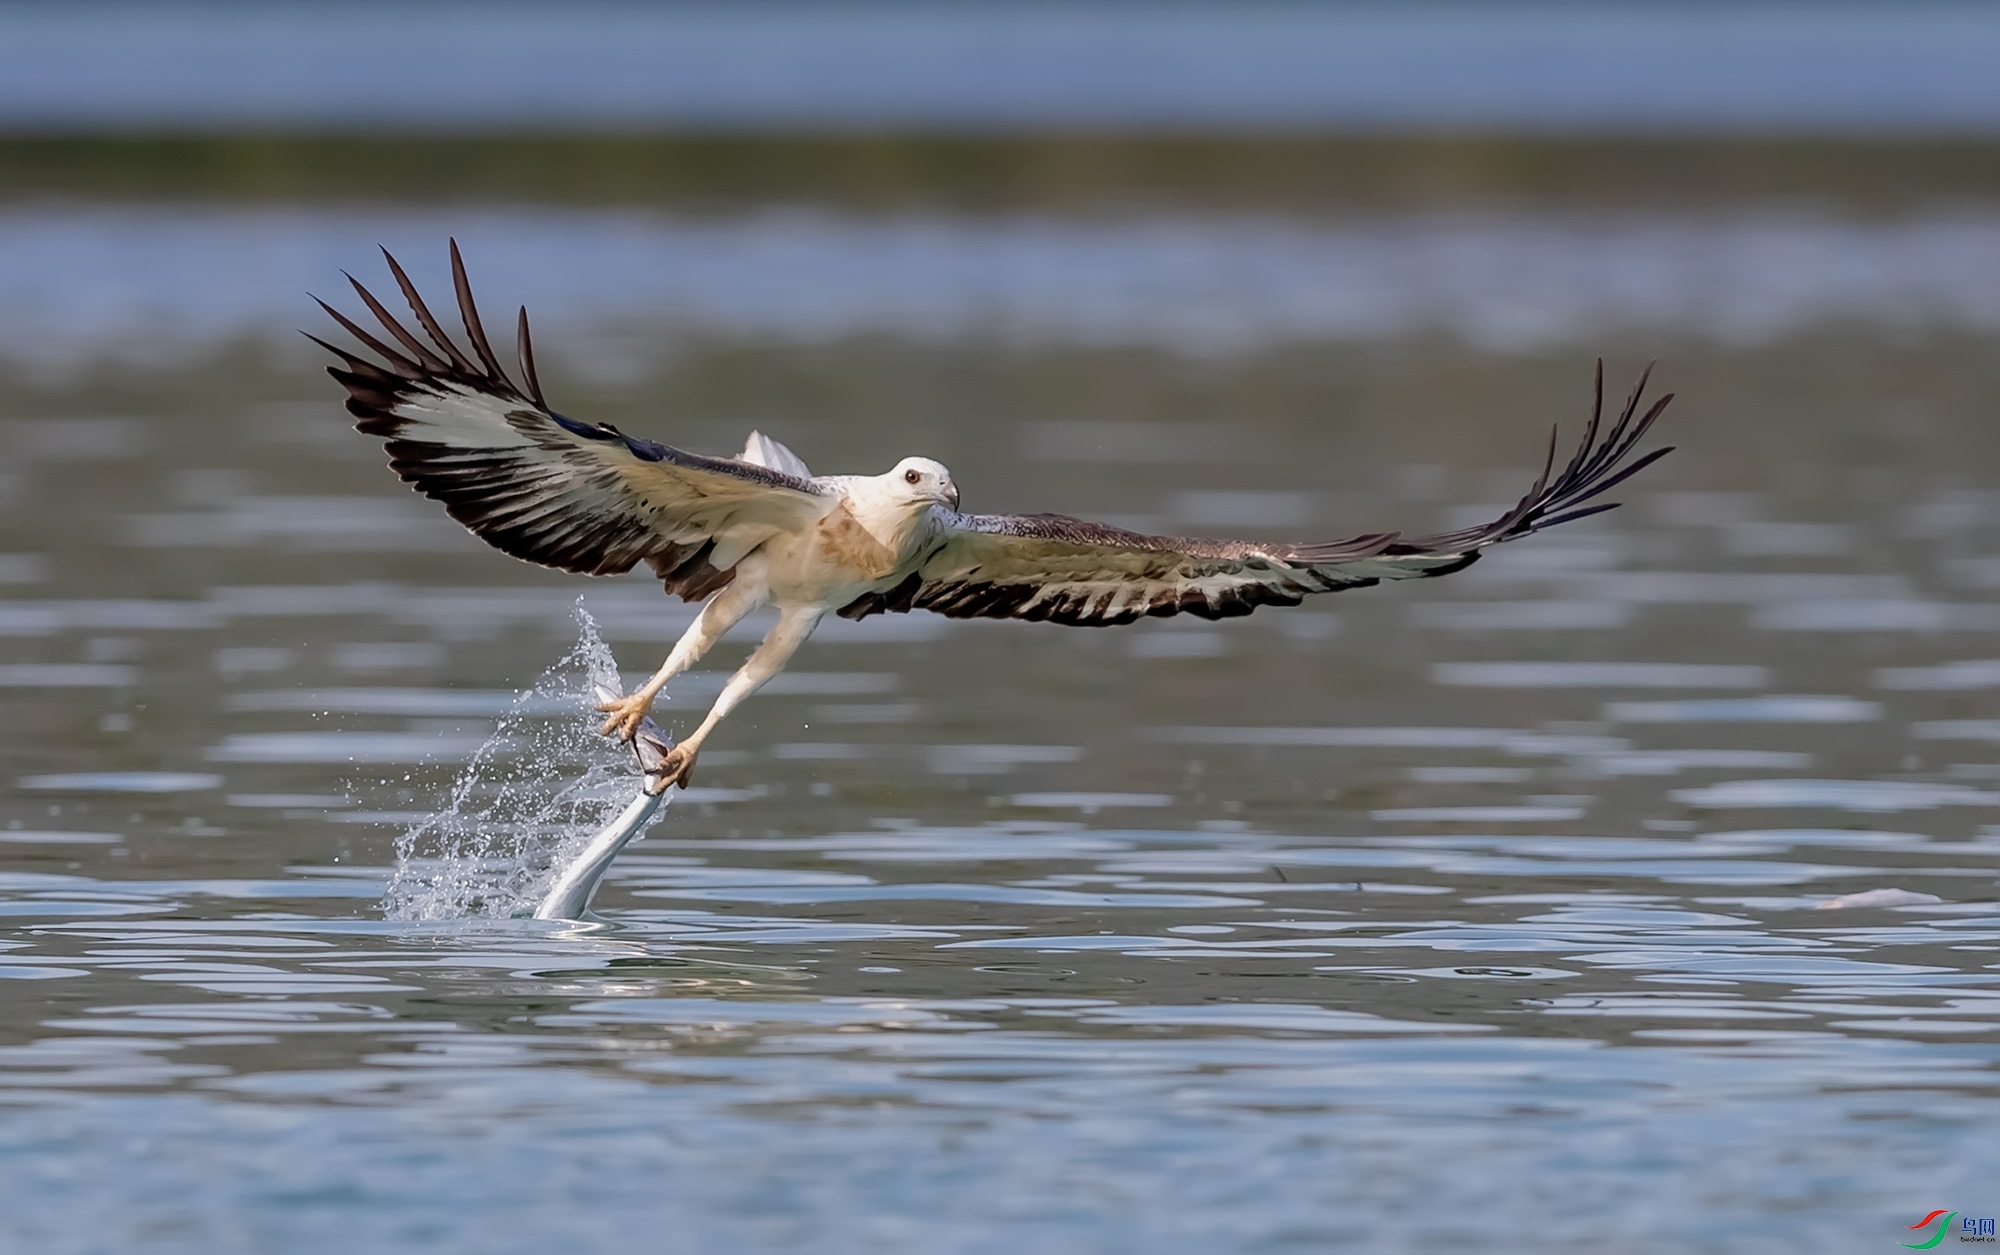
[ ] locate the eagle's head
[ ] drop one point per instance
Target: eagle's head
(922, 481)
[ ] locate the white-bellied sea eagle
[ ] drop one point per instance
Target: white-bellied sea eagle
(759, 527)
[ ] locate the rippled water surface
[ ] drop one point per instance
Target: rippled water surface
(1480, 914)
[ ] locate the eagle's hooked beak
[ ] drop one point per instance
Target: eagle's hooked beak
(951, 494)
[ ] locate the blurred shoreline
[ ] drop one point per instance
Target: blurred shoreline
(1061, 172)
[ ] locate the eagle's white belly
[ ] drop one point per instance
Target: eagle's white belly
(851, 550)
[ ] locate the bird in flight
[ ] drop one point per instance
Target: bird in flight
(737, 533)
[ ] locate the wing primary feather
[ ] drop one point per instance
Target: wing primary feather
(525, 349)
(1536, 495)
(1345, 550)
(1574, 515)
(1607, 485)
(1590, 485)
(359, 368)
(425, 317)
(428, 360)
(469, 313)
(1605, 452)
(353, 362)
(1594, 476)
(402, 365)
(1639, 432)
(1589, 440)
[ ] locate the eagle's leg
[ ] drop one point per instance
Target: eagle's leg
(795, 624)
(722, 612)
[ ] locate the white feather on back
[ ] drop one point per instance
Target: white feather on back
(761, 450)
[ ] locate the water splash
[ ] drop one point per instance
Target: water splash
(509, 828)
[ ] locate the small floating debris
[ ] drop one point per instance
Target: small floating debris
(1879, 897)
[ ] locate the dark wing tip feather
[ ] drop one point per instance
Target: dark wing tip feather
(1600, 463)
(425, 318)
(421, 352)
(401, 365)
(524, 347)
(469, 314)
(421, 366)
(411, 362)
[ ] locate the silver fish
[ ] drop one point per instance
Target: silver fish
(569, 897)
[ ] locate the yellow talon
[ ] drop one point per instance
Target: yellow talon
(676, 769)
(627, 713)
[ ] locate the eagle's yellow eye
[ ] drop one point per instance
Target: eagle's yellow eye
(912, 477)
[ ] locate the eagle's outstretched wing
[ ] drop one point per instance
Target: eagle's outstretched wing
(1064, 570)
(540, 486)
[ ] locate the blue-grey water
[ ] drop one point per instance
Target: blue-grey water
(1485, 913)
(142, 282)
